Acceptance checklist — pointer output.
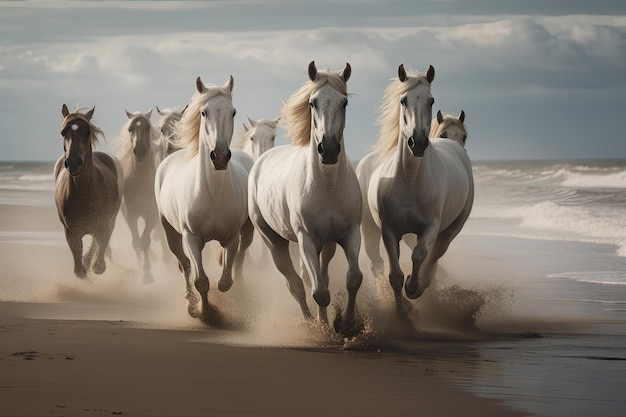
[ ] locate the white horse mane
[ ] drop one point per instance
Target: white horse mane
(296, 113)
(389, 109)
(188, 134)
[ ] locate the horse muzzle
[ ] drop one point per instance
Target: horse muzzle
(74, 167)
(417, 146)
(329, 152)
(220, 159)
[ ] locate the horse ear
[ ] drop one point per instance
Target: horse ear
(64, 111)
(401, 73)
(183, 111)
(430, 74)
(345, 74)
(230, 83)
(312, 71)
(462, 116)
(129, 115)
(277, 120)
(439, 116)
(149, 115)
(250, 121)
(89, 114)
(245, 127)
(199, 85)
(159, 110)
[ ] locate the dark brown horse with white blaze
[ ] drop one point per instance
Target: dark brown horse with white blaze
(87, 191)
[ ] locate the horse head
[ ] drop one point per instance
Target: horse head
(328, 113)
(139, 130)
(261, 135)
(416, 109)
(448, 126)
(217, 122)
(77, 140)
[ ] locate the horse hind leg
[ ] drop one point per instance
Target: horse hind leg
(245, 240)
(279, 248)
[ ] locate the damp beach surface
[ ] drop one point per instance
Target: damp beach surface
(516, 324)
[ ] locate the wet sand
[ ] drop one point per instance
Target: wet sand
(480, 345)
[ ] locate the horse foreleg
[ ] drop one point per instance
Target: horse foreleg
(310, 255)
(328, 252)
(100, 244)
(192, 246)
(396, 278)
(228, 255)
(347, 325)
(145, 249)
(175, 243)
(75, 242)
(414, 287)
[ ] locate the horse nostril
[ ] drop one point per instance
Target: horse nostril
(80, 162)
(411, 142)
(213, 155)
(320, 149)
(228, 155)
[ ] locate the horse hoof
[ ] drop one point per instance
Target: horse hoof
(224, 284)
(148, 278)
(348, 329)
(80, 273)
(99, 267)
(412, 288)
(322, 297)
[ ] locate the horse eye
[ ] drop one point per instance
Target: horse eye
(234, 113)
(312, 104)
(432, 101)
(252, 138)
(403, 101)
(273, 137)
(203, 113)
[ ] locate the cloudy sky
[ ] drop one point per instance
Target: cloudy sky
(536, 78)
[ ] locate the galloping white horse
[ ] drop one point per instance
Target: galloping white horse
(141, 150)
(308, 193)
(413, 184)
(258, 137)
(201, 193)
(168, 124)
(448, 126)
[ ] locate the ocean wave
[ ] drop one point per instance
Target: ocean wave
(595, 180)
(596, 277)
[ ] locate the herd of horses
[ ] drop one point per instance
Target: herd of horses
(188, 174)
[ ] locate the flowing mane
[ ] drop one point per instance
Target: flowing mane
(188, 134)
(296, 112)
(124, 144)
(389, 109)
(448, 120)
(94, 132)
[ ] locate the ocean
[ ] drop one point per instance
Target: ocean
(551, 233)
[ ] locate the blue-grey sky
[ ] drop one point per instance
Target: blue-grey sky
(536, 78)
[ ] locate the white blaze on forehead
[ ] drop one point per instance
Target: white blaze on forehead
(74, 127)
(138, 123)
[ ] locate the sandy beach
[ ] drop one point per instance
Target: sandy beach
(493, 338)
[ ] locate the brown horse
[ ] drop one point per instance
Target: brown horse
(87, 191)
